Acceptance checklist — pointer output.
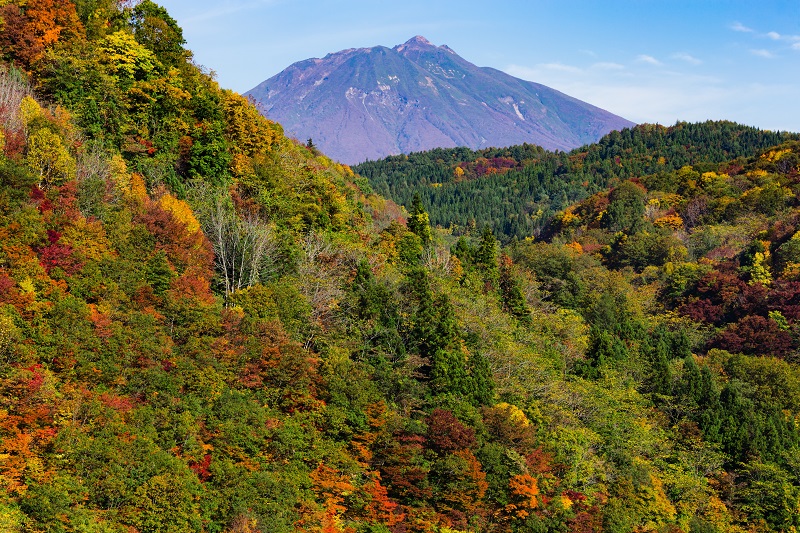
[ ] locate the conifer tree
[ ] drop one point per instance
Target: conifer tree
(419, 222)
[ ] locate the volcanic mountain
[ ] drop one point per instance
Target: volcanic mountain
(367, 103)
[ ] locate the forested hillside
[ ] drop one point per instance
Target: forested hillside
(208, 327)
(516, 190)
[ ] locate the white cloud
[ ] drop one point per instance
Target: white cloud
(608, 66)
(738, 26)
(760, 52)
(687, 58)
(650, 60)
(665, 96)
(775, 36)
(796, 46)
(560, 67)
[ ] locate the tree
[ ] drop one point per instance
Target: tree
(154, 28)
(625, 209)
(513, 300)
(244, 246)
(419, 221)
(48, 156)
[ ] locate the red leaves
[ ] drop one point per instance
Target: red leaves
(117, 403)
(58, 255)
(447, 434)
(201, 468)
(37, 379)
(184, 249)
(28, 32)
(755, 335)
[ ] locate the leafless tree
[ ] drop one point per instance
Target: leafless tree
(244, 243)
(13, 88)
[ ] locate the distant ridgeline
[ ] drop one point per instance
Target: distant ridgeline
(515, 190)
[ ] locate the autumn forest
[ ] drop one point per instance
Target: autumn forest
(207, 326)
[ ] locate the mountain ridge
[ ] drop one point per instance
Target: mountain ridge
(366, 103)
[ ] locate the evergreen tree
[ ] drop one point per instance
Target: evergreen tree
(419, 222)
(511, 294)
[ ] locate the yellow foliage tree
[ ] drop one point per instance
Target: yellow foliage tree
(249, 132)
(181, 211)
(125, 58)
(48, 156)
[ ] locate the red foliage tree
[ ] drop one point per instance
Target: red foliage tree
(755, 335)
(446, 433)
(29, 28)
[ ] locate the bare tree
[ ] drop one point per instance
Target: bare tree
(244, 244)
(13, 88)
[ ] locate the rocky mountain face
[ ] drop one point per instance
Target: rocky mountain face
(368, 103)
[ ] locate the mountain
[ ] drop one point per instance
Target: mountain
(367, 103)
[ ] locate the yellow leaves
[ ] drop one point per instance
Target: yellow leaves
(27, 286)
(48, 156)
(569, 218)
(248, 131)
(575, 247)
(708, 177)
(242, 166)
(776, 155)
(11, 518)
(88, 238)
(126, 58)
(673, 221)
(345, 170)
(9, 335)
(138, 189)
(120, 176)
(514, 414)
(566, 503)
(181, 211)
(29, 110)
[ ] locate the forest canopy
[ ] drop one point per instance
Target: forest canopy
(206, 326)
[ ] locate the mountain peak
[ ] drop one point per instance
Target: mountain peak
(415, 42)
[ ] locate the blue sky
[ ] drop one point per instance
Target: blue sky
(647, 60)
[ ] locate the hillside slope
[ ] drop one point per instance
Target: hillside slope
(515, 190)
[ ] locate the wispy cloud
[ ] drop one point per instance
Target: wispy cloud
(560, 67)
(664, 96)
(650, 60)
(760, 52)
(687, 58)
(738, 26)
(603, 65)
(775, 36)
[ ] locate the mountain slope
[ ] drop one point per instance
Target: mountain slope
(367, 103)
(514, 190)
